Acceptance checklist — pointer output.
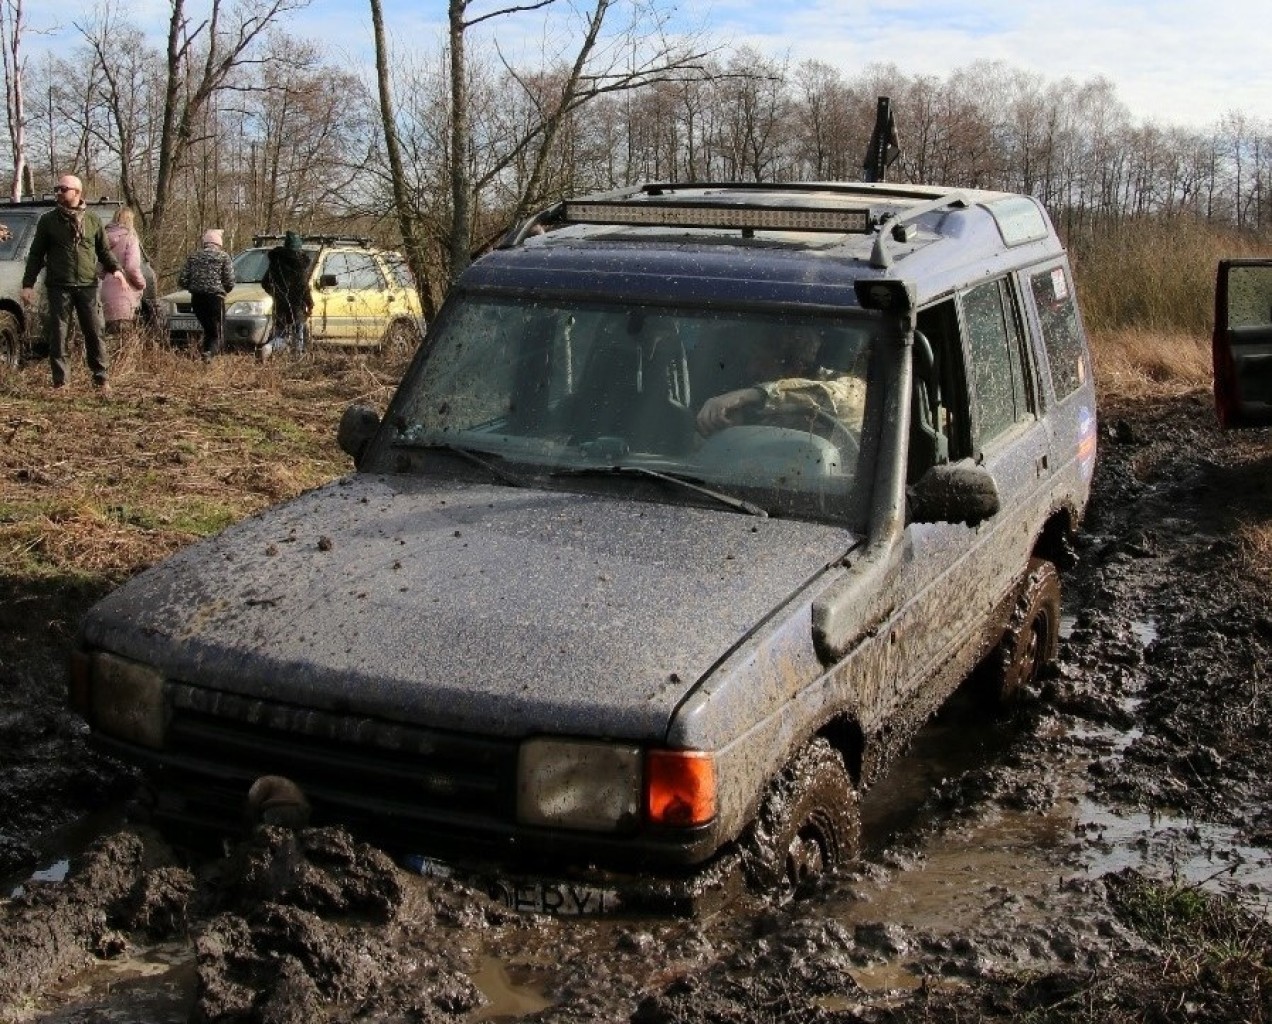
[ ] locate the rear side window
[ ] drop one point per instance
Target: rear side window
(1061, 332)
(999, 373)
(20, 224)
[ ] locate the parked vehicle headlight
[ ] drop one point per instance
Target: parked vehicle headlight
(124, 699)
(249, 307)
(578, 784)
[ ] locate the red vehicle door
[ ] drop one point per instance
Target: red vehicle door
(1242, 343)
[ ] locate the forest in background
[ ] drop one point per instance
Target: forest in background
(242, 123)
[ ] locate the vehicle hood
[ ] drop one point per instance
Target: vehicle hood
(454, 605)
(248, 291)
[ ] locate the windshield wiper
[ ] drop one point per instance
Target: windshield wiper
(464, 453)
(740, 504)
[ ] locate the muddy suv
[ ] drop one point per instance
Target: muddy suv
(19, 329)
(364, 297)
(696, 503)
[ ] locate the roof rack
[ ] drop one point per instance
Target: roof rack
(51, 197)
(657, 204)
(360, 240)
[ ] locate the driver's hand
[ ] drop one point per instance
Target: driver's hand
(716, 412)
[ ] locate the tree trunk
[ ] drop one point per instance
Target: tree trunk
(407, 220)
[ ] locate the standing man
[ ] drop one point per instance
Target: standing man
(287, 280)
(69, 243)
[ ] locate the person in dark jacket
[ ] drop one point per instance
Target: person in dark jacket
(69, 243)
(287, 280)
(208, 275)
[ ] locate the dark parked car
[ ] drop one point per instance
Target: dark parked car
(694, 505)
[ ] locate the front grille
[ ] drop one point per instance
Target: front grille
(354, 767)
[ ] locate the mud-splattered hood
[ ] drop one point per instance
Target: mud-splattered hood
(462, 606)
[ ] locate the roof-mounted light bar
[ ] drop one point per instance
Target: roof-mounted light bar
(719, 215)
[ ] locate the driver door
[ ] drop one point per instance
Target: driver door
(1242, 343)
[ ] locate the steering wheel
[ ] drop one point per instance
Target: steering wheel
(834, 430)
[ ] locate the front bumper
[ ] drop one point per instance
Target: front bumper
(241, 332)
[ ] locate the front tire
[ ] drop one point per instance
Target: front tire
(10, 340)
(399, 338)
(808, 825)
(1029, 645)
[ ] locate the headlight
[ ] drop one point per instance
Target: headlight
(125, 701)
(576, 784)
(249, 307)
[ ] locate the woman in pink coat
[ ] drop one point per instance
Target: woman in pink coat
(121, 298)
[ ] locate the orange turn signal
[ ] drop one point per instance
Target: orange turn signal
(680, 788)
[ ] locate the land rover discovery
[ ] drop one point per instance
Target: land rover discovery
(695, 504)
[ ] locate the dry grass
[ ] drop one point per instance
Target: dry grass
(1154, 274)
(95, 486)
(1137, 363)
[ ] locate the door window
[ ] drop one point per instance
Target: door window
(355, 271)
(999, 373)
(1250, 296)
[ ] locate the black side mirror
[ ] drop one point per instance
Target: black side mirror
(957, 492)
(327, 281)
(357, 426)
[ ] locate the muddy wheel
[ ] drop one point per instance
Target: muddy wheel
(808, 825)
(10, 339)
(400, 337)
(1029, 646)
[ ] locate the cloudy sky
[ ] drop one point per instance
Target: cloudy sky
(1175, 62)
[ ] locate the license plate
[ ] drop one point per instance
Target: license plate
(183, 323)
(558, 899)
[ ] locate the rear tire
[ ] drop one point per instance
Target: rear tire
(1028, 647)
(10, 340)
(808, 825)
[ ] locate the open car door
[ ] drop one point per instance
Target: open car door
(1242, 343)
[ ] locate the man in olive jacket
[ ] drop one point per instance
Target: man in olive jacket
(69, 243)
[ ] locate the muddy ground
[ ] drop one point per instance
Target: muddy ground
(1106, 855)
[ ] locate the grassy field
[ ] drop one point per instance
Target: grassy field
(93, 487)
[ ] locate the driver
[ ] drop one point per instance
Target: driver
(792, 390)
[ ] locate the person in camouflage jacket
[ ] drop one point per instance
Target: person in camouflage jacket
(208, 275)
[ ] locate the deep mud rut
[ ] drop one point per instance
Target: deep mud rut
(994, 886)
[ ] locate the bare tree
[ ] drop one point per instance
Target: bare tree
(407, 216)
(633, 54)
(203, 52)
(12, 27)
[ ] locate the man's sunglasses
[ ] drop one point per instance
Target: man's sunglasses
(66, 188)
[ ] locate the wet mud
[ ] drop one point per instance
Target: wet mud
(1012, 867)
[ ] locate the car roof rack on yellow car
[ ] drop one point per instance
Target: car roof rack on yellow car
(312, 240)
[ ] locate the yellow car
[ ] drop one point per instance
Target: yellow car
(364, 297)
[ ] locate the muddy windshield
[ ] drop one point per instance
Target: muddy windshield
(765, 409)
